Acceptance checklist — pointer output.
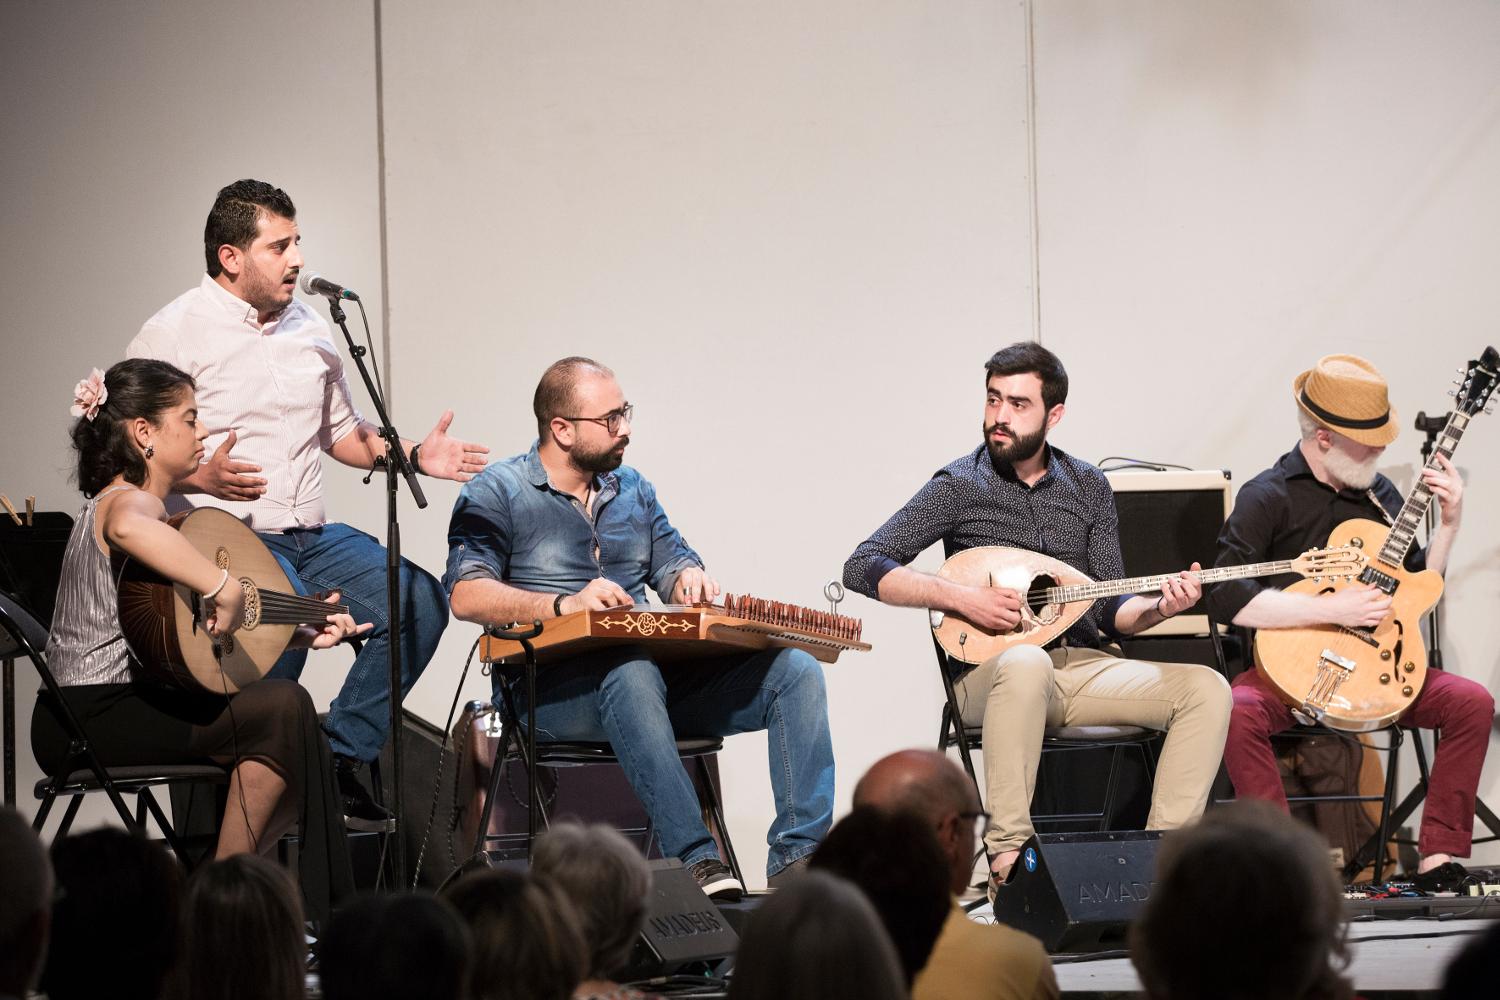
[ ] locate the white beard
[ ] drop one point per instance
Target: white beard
(1354, 475)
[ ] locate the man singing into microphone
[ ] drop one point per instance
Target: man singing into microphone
(271, 388)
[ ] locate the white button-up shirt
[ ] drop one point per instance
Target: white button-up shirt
(279, 385)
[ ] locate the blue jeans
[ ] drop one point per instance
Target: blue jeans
(338, 557)
(622, 697)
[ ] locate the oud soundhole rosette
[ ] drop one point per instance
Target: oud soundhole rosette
(251, 616)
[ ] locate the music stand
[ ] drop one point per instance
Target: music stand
(30, 564)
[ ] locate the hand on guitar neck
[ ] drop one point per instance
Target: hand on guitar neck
(339, 626)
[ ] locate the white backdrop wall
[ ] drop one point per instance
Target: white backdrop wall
(796, 231)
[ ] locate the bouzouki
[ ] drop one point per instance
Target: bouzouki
(163, 621)
(1359, 679)
(1057, 595)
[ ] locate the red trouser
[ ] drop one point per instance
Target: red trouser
(1457, 707)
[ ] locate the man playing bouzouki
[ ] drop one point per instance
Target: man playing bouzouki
(1330, 478)
(1017, 490)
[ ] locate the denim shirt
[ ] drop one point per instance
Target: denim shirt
(510, 524)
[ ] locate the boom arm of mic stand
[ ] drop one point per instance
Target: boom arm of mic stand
(401, 463)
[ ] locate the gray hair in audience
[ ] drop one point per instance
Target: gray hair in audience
(1246, 906)
(606, 879)
(817, 939)
(25, 903)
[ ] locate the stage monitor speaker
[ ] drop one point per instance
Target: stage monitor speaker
(1169, 520)
(683, 929)
(1076, 890)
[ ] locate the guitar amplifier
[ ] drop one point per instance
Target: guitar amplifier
(1168, 521)
(1075, 890)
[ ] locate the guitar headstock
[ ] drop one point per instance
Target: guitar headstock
(1476, 383)
(1323, 564)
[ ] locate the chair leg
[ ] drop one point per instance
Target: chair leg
(48, 797)
(716, 811)
(1110, 784)
(74, 801)
(1386, 800)
(146, 802)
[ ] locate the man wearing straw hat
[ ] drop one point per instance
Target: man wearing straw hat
(1347, 422)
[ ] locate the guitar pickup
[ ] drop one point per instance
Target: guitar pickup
(1383, 581)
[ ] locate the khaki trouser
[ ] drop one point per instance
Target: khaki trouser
(1025, 690)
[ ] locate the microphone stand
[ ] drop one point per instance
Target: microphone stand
(1432, 427)
(394, 462)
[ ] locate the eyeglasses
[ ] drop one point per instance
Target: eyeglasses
(981, 821)
(612, 419)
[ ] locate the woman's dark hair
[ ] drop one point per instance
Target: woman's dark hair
(405, 946)
(895, 860)
(1216, 926)
(243, 937)
(817, 939)
(115, 919)
(528, 941)
(137, 387)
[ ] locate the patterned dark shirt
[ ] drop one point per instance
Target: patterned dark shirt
(1282, 513)
(1069, 514)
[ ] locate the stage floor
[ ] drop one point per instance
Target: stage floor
(1390, 957)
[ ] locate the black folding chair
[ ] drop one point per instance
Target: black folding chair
(80, 771)
(1116, 739)
(564, 753)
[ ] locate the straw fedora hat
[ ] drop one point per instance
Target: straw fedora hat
(1346, 394)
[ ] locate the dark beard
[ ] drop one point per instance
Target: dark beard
(600, 461)
(1020, 448)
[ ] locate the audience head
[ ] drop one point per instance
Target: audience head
(894, 859)
(928, 785)
(114, 919)
(405, 946)
(817, 939)
(1219, 924)
(527, 942)
(607, 881)
(25, 904)
(1470, 976)
(243, 937)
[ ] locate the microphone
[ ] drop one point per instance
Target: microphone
(315, 284)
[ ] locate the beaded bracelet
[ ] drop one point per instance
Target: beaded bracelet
(215, 592)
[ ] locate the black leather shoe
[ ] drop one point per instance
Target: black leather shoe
(1450, 876)
(361, 812)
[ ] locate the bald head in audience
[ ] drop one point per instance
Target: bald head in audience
(927, 784)
(25, 904)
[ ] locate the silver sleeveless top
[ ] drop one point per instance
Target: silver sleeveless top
(85, 645)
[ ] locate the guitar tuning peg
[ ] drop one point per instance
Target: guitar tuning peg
(1452, 393)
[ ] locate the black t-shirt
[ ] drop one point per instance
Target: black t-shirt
(1282, 513)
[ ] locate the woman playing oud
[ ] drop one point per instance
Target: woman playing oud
(136, 434)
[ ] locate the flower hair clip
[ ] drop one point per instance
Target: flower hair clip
(89, 395)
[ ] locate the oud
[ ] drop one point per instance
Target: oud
(163, 621)
(1359, 679)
